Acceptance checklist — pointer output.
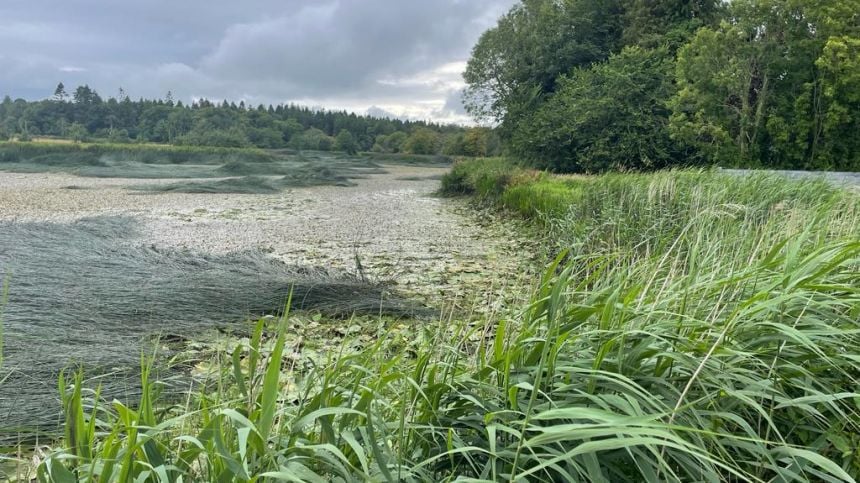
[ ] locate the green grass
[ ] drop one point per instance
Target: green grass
(695, 327)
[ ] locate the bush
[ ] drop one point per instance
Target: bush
(266, 138)
(313, 139)
(119, 136)
(345, 142)
(78, 133)
(392, 143)
(485, 177)
(422, 141)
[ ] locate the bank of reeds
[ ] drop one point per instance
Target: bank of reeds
(695, 328)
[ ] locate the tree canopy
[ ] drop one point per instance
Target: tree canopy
(85, 114)
(586, 85)
(769, 86)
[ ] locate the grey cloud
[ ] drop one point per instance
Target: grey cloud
(339, 53)
(377, 111)
(454, 103)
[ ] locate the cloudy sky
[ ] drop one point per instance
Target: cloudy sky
(397, 57)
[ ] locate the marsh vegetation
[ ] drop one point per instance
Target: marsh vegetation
(686, 330)
(630, 313)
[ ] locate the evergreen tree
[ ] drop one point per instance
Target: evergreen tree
(201, 123)
(60, 94)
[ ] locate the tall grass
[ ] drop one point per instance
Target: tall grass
(693, 330)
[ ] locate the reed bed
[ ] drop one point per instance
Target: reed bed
(694, 327)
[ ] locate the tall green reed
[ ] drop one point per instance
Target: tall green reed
(719, 345)
(600, 379)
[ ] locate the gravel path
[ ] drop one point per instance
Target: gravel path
(431, 247)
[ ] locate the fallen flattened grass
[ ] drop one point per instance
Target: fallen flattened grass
(207, 170)
(322, 176)
(405, 159)
(430, 177)
(113, 294)
(125, 161)
(102, 154)
(255, 185)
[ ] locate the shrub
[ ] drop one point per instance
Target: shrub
(345, 142)
(119, 136)
(78, 133)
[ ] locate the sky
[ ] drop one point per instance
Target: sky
(397, 58)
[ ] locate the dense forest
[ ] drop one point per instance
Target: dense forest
(594, 85)
(84, 115)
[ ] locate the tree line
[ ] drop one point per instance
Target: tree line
(595, 85)
(84, 115)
